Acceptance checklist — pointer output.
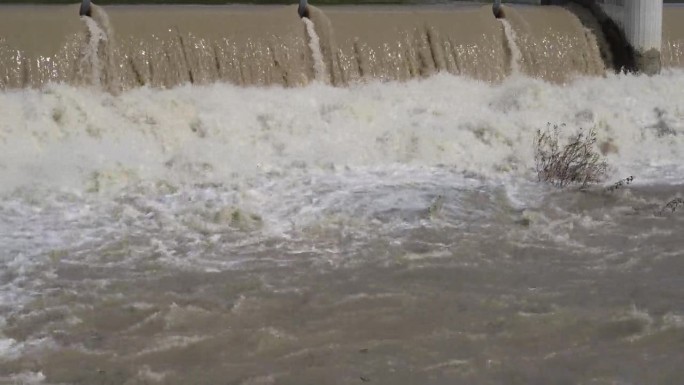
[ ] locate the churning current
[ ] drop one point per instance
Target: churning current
(387, 230)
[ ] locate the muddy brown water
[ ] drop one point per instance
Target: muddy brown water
(584, 288)
(392, 232)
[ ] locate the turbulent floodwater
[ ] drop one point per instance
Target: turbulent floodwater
(385, 232)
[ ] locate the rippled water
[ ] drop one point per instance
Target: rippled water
(387, 232)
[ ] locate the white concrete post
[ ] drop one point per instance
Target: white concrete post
(642, 22)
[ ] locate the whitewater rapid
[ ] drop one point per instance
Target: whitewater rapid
(80, 139)
(264, 226)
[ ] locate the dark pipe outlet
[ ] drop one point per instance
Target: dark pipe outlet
(86, 9)
(498, 10)
(303, 9)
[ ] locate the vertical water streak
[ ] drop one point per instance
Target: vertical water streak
(91, 57)
(111, 79)
(511, 38)
(320, 73)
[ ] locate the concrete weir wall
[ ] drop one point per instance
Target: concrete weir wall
(642, 22)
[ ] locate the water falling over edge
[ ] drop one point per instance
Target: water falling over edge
(320, 72)
(91, 57)
(512, 46)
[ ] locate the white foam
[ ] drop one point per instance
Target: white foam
(292, 160)
(148, 375)
(26, 378)
(7, 347)
(86, 140)
(170, 343)
(11, 349)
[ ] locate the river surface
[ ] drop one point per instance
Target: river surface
(383, 229)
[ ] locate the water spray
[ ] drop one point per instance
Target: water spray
(303, 9)
(86, 9)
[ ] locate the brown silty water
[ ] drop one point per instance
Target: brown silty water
(555, 294)
(383, 268)
(247, 45)
(673, 37)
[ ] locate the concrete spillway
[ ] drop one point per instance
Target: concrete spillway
(164, 46)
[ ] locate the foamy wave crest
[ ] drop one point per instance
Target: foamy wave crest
(82, 139)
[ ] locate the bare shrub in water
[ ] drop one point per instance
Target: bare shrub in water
(577, 162)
